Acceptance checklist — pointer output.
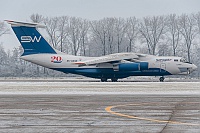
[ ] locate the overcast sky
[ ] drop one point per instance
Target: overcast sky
(90, 9)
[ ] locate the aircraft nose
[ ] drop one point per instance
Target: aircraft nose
(194, 67)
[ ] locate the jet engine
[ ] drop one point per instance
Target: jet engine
(144, 65)
(136, 66)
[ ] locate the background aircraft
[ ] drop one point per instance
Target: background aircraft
(113, 66)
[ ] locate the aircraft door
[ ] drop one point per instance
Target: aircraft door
(162, 67)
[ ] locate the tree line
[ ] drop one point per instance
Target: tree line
(167, 35)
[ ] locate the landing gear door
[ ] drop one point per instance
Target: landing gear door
(163, 67)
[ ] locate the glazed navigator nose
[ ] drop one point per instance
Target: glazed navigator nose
(194, 67)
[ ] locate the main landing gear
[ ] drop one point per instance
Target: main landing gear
(162, 79)
(114, 79)
(105, 79)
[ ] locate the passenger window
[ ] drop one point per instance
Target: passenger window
(176, 60)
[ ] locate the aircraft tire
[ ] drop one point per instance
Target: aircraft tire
(104, 80)
(114, 80)
(162, 79)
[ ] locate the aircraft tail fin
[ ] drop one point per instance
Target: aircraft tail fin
(30, 39)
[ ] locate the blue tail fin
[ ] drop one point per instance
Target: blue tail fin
(30, 39)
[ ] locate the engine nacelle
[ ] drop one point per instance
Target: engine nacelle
(127, 67)
(131, 66)
(144, 65)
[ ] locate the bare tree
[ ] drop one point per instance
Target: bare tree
(151, 30)
(163, 49)
(197, 17)
(110, 34)
(173, 33)
(85, 26)
(36, 18)
(99, 31)
(132, 31)
(120, 29)
(3, 29)
(52, 29)
(62, 31)
(74, 37)
(3, 55)
(197, 53)
(188, 31)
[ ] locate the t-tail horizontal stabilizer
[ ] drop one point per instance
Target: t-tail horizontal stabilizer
(16, 23)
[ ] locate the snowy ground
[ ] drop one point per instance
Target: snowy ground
(85, 79)
(68, 105)
(46, 87)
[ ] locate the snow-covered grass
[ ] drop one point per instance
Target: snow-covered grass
(46, 87)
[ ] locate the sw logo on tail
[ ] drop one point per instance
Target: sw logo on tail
(115, 66)
(30, 39)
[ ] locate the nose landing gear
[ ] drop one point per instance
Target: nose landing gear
(162, 79)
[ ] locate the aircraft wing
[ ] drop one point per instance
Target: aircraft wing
(112, 58)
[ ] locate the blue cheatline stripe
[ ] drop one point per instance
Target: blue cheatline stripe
(110, 73)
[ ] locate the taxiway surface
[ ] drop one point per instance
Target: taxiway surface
(99, 107)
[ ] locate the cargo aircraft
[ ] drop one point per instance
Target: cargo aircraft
(114, 66)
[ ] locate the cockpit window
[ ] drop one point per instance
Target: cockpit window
(176, 60)
(183, 60)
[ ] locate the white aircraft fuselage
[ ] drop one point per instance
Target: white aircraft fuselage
(113, 66)
(157, 65)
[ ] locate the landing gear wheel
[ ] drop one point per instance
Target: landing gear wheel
(162, 79)
(114, 80)
(104, 80)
